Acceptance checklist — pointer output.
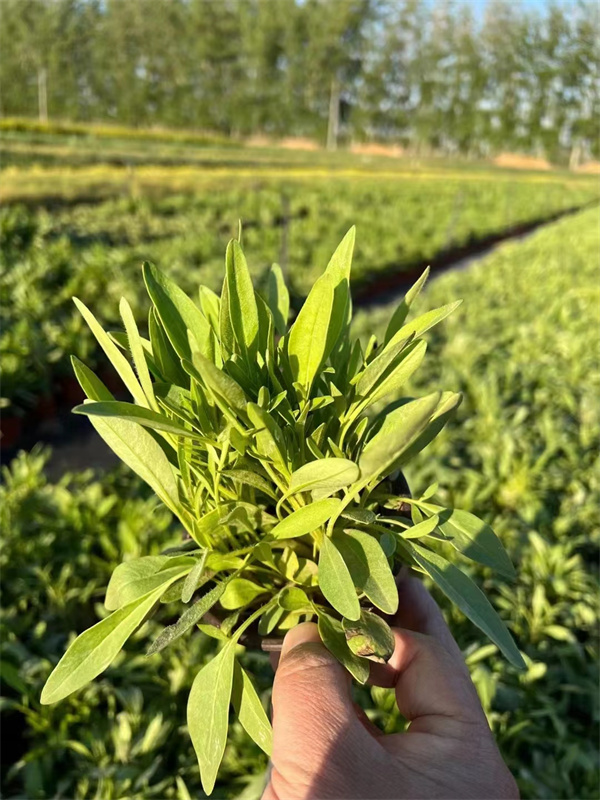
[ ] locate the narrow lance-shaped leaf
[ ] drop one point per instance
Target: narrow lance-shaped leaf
(136, 448)
(225, 328)
(115, 356)
(210, 305)
(278, 298)
(338, 270)
(393, 379)
(446, 408)
(423, 323)
(369, 568)
(461, 590)
(216, 380)
(239, 593)
(188, 619)
(335, 580)
(242, 302)
(328, 474)
(250, 711)
(165, 357)
(399, 429)
(208, 713)
(268, 438)
(137, 352)
(473, 538)
(308, 337)
(194, 578)
(400, 314)
(132, 413)
(137, 577)
(89, 382)
(95, 649)
(306, 519)
(177, 313)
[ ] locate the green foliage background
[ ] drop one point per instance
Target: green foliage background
(523, 452)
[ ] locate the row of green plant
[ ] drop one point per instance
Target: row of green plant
(66, 129)
(95, 252)
(524, 448)
(522, 453)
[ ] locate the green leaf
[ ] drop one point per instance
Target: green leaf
(369, 568)
(239, 593)
(392, 379)
(136, 447)
(336, 582)
(423, 323)
(135, 578)
(137, 352)
(216, 380)
(475, 539)
(401, 312)
(370, 637)
(95, 649)
(338, 270)
(268, 439)
(306, 519)
(242, 302)
(208, 713)
(328, 474)
(334, 639)
(89, 382)
(165, 357)
(307, 344)
(250, 711)
(399, 430)
(188, 619)
(447, 406)
(278, 298)
(194, 578)
(177, 313)
(132, 413)
(115, 356)
(421, 529)
(253, 479)
(293, 598)
(210, 305)
(461, 590)
(226, 330)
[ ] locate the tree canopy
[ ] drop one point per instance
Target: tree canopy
(429, 75)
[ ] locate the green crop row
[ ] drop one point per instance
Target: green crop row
(95, 251)
(523, 453)
(524, 448)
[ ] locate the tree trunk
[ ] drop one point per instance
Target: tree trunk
(333, 123)
(43, 94)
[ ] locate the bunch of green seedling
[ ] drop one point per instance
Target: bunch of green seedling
(275, 448)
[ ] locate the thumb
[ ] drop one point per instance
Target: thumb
(313, 715)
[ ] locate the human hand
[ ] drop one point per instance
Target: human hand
(324, 747)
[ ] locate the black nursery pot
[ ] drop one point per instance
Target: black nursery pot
(272, 644)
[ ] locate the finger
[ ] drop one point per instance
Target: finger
(427, 682)
(314, 721)
(418, 611)
(311, 687)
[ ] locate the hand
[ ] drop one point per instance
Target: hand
(324, 747)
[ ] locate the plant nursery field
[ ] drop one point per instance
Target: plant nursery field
(523, 453)
(85, 230)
